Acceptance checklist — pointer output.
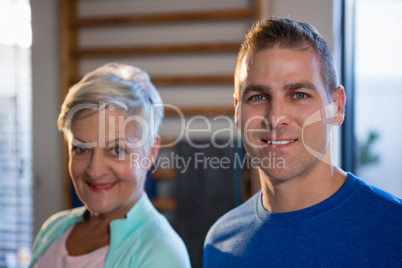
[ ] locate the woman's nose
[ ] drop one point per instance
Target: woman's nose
(97, 165)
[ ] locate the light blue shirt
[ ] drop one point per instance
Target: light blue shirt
(143, 239)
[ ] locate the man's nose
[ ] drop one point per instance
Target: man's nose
(277, 113)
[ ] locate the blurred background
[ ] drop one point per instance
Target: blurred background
(189, 48)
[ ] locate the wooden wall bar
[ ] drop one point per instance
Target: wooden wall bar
(214, 15)
(157, 49)
(72, 55)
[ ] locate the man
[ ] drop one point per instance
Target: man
(309, 212)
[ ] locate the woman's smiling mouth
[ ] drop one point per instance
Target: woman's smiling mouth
(100, 187)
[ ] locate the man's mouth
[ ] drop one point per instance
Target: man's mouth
(281, 142)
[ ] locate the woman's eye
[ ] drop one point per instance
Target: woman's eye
(117, 150)
(300, 96)
(257, 98)
(79, 150)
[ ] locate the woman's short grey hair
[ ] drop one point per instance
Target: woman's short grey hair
(124, 86)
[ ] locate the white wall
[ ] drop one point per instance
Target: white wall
(315, 12)
(46, 104)
(46, 86)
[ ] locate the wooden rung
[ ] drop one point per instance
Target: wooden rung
(164, 203)
(203, 111)
(196, 80)
(164, 174)
(172, 142)
(158, 49)
(208, 15)
(193, 80)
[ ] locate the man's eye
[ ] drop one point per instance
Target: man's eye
(257, 98)
(300, 96)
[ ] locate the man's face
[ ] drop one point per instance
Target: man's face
(283, 111)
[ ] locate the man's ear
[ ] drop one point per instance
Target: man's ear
(339, 101)
(236, 106)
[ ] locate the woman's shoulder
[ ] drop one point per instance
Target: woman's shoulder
(53, 228)
(153, 242)
(151, 232)
(60, 219)
(64, 215)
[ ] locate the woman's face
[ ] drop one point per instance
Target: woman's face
(107, 166)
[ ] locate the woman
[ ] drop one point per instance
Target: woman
(110, 120)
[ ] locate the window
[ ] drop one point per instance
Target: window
(15, 134)
(378, 91)
(372, 75)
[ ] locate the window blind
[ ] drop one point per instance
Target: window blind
(16, 215)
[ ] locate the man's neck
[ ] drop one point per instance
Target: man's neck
(300, 192)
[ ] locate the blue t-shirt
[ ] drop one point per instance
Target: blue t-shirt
(358, 226)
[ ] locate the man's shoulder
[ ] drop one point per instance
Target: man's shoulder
(370, 202)
(375, 196)
(231, 233)
(243, 211)
(235, 221)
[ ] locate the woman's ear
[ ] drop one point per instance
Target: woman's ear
(154, 150)
(339, 101)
